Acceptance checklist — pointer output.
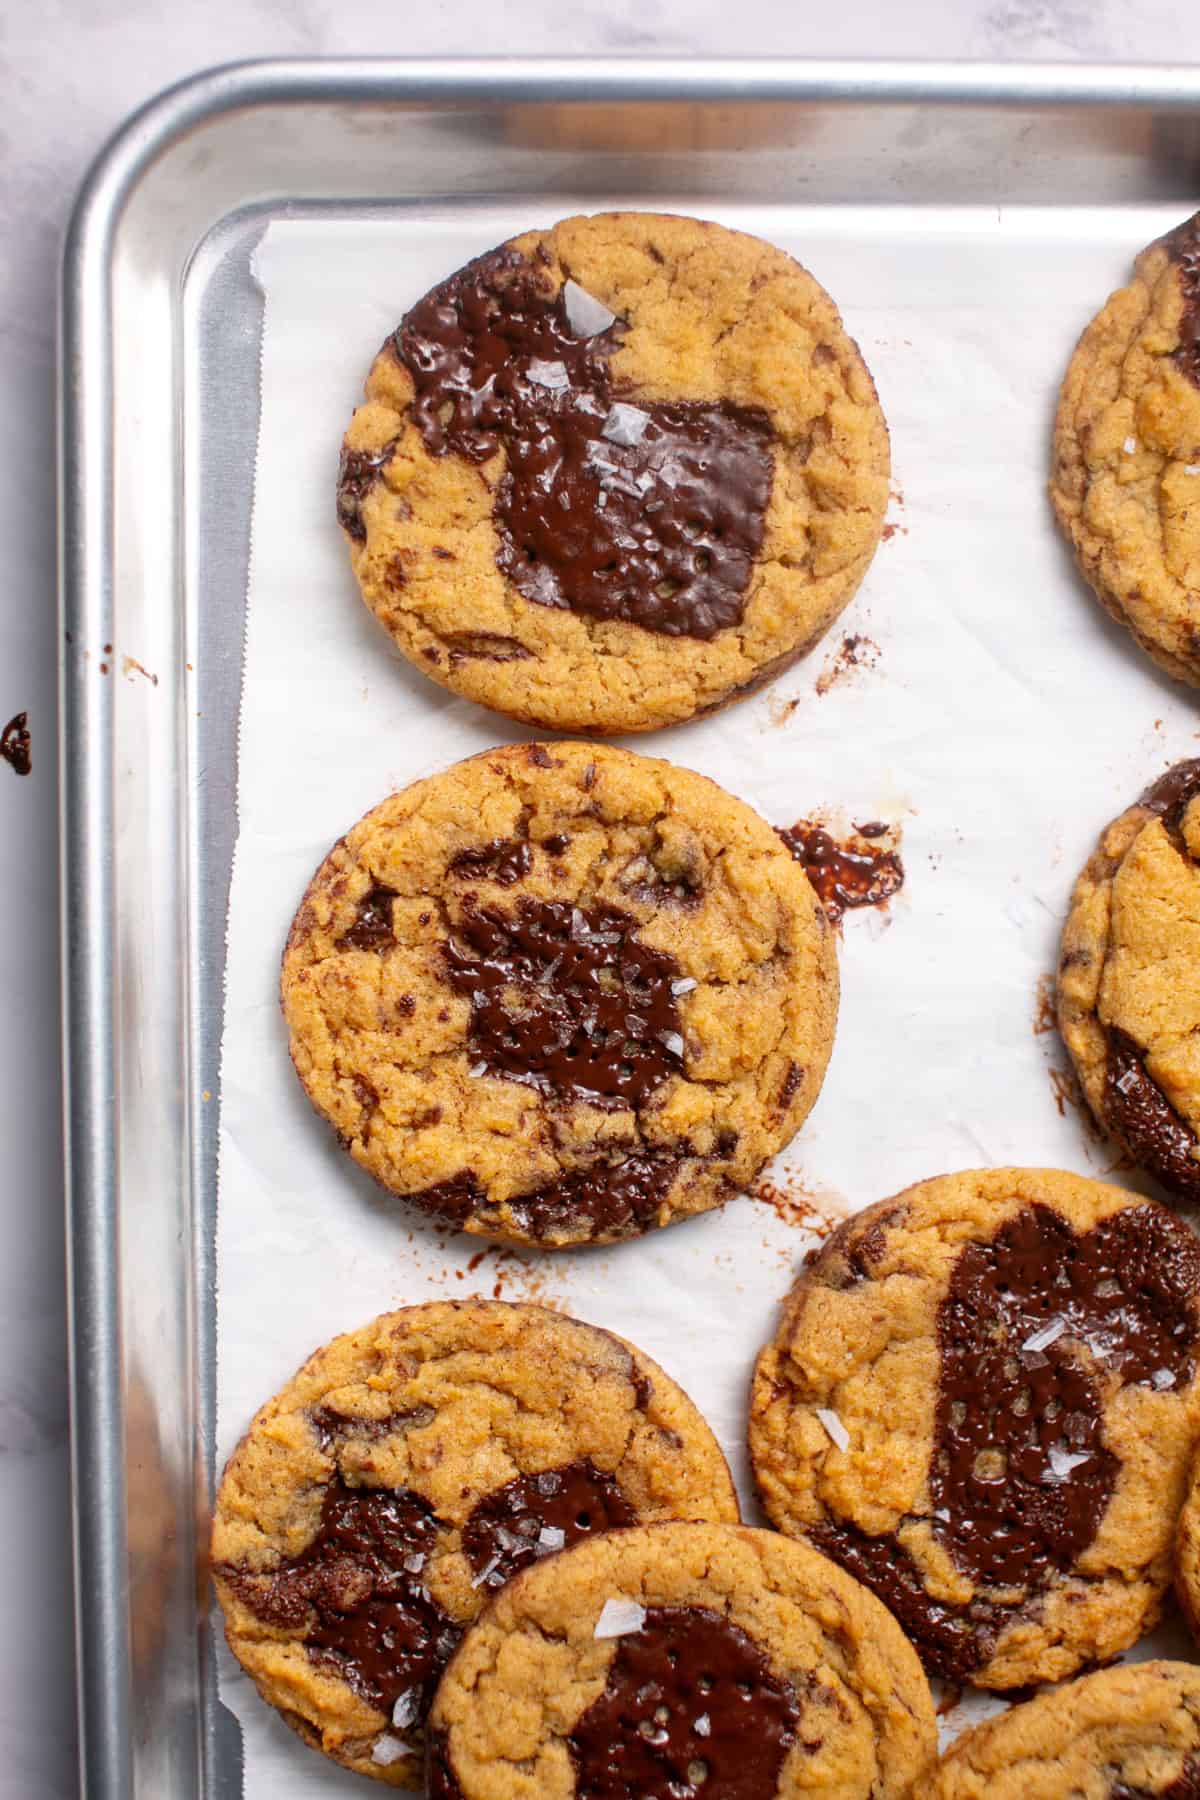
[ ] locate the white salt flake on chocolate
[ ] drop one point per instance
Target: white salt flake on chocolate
(407, 1709)
(834, 1428)
(1049, 1334)
(387, 1751)
(549, 1482)
(548, 374)
(550, 1538)
(619, 1618)
(672, 1041)
(703, 1726)
(486, 1573)
(625, 425)
(1162, 1379)
(414, 1562)
(1063, 1462)
(684, 985)
(477, 1069)
(1127, 1082)
(586, 315)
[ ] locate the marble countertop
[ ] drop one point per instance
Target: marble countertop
(70, 71)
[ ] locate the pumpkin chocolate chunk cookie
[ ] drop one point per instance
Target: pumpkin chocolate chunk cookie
(1126, 480)
(681, 1662)
(614, 473)
(1130, 1733)
(404, 1475)
(561, 994)
(982, 1401)
(1129, 980)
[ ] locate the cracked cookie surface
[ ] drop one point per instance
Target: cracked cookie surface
(982, 1401)
(1130, 1733)
(676, 1661)
(408, 1471)
(561, 994)
(1129, 980)
(615, 473)
(1126, 475)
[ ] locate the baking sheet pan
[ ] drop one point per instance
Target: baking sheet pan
(967, 221)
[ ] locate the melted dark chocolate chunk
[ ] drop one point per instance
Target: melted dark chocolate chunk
(372, 927)
(1138, 1112)
(1183, 246)
(1019, 1473)
(952, 1640)
(16, 745)
(660, 530)
(568, 1001)
(357, 1594)
(842, 875)
(441, 1783)
(333, 1427)
(1171, 794)
(505, 860)
(611, 1195)
(1186, 1786)
(691, 1707)
(1019, 1462)
(502, 1534)
(358, 472)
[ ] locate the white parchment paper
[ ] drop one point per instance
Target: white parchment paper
(1003, 723)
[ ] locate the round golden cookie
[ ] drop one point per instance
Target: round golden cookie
(1130, 1733)
(982, 1401)
(405, 1474)
(679, 1661)
(1129, 980)
(561, 994)
(615, 473)
(1126, 475)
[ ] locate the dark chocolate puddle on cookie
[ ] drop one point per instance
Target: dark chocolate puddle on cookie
(691, 1707)
(1135, 1108)
(612, 1194)
(1019, 1472)
(567, 1000)
(536, 1515)
(372, 927)
(1183, 247)
(857, 872)
(357, 1593)
(650, 513)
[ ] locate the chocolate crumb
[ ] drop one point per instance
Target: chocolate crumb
(16, 745)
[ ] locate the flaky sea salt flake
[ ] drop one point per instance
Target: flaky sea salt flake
(684, 985)
(1129, 446)
(407, 1709)
(586, 315)
(548, 374)
(487, 1572)
(1063, 1462)
(1045, 1336)
(1162, 1379)
(625, 425)
(703, 1726)
(551, 1538)
(619, 1618)
(387, 1751)
(835, 1430)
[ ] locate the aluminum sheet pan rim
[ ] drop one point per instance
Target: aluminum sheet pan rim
(86, 519)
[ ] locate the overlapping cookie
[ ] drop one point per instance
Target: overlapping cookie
(410, 1469)
(982, 1401)
(615, 473)
(681, 1662)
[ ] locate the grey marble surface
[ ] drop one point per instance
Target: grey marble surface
(69, 73)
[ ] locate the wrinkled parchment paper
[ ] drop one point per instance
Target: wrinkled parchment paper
(998, 721)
